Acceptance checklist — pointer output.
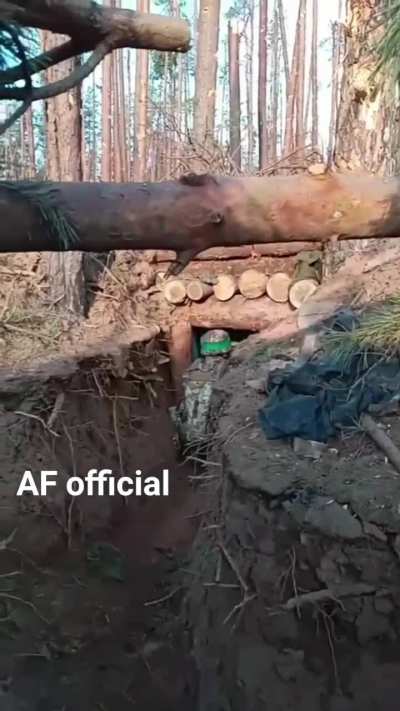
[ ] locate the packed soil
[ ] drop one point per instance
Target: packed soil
(90, 589)
(296, 602)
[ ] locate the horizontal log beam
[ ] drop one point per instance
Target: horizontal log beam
(244, 252)
(238, 314)
(197, 213)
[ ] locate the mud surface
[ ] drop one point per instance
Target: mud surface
(296, 603)
(90, 593)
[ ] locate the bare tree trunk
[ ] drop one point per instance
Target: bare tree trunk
(284, 42)
(368, 129)
(29, 137)
(292, 91)
(262, 83)
(314, 76)
(300, 78)
(116, 122)
(249, 88)
(106, 125)
(93, 172)
(64, 163)
(275, 84)
(206, 71)
(234, 94)
(142, 100)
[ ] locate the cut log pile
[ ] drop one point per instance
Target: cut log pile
(251, 284)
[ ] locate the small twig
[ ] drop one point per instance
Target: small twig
(382, 440)
(11, 575)
(39, 419)
(293, 576)
(232, 565)
(56, 409)
(230, 586)
(315, 596)
(239, 608)
(69, 512)
(160, 600)
(6, 541)
(15, 598)
(118, 442)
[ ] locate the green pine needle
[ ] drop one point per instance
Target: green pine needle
(377, 334)
(43, 196)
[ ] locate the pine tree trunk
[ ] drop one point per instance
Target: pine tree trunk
(314, 76)
(300, 77)
(285, 52)
(275, 84)
(368, 128)
(141, 100)
(206, 72)
(249, 88)
(106, 126)
(262, 83)
(64, 163)
(292, 91)
(234, 94)
(30, 141)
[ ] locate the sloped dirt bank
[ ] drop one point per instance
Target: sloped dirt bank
(294, 602)
(90, 589)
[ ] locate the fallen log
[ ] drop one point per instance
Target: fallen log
(245, 252)
(252, 283)
(196, 213)
(238, 314)
(225, 287)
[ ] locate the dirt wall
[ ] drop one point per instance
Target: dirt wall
(295, 603)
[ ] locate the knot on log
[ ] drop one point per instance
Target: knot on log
(198, 181)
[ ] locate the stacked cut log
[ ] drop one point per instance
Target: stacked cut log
(243, 294)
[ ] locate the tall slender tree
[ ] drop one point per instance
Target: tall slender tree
(141, 104)
(64, 163)
(249, 39)
(206, 71)
(262, 83)
(275, 83)
(300, 74)
(292, 89)
(234, 92)
(314, 75)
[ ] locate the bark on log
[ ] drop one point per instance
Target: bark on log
(180, 353)
(252, 283)
(225, 288)
(89, 23)
(245, 252)
(200, 212)
(175, 291)
(278, 287)
(238, 314)
(197, 290)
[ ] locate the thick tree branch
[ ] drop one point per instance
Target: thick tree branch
(88, 23)
(200, 212)
(63, 85)
(40, 63)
